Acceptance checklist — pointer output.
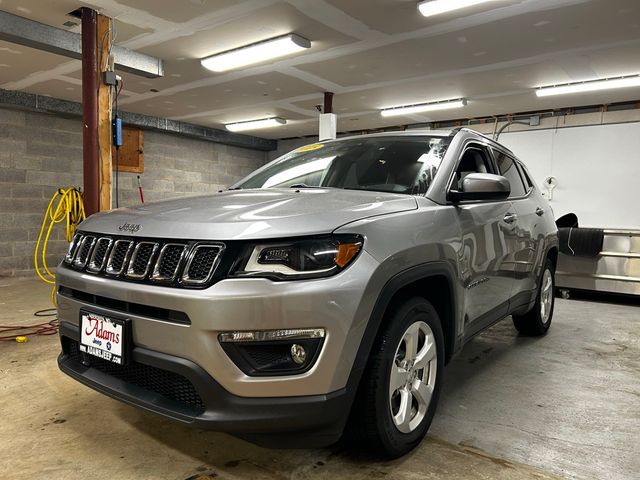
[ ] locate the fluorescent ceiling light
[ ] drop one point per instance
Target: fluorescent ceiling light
(255, 124)
(423, 107)
(429, 8)
(256, 53)
(591, 86)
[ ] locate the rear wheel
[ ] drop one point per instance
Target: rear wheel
(400, 389)
(538, 320)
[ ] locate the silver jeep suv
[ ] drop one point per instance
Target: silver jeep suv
(322, 294)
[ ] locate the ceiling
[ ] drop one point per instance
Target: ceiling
(370, 53)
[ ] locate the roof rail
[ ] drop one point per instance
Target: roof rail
(455, 130)
(469, 129)
(475, 132)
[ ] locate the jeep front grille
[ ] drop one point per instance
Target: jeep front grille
(119, 256)
(82, 256)
(141, 259)
(170, 263)
(99, 255)
(73, 248)
(201, 264)
(166, 268)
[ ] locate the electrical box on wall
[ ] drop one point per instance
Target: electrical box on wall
(130, 156)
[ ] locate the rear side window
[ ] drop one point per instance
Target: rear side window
(509, 170)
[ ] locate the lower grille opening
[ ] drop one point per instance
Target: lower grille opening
(162, 382)
(172, 316)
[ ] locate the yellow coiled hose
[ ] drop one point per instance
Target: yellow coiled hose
(66, 205)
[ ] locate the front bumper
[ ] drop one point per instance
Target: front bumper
(179, 389)
(175, 344)
(338, 304)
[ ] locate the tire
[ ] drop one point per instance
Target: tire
(537, 321)
(393, 421)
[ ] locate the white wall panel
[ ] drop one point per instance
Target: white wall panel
(597, 167)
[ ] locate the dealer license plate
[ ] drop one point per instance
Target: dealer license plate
(103, 337)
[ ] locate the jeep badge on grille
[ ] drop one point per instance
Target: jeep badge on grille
(130, 227)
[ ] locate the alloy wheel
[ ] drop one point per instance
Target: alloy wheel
(546, 296)
(413, 377)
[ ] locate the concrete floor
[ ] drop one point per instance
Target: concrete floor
(513, 408)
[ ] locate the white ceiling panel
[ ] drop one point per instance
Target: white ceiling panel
(370, 53)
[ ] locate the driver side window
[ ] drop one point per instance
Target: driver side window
(475, 159)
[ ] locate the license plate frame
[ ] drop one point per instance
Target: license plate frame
(98, 334)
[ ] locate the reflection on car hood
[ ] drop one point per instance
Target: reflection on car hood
(249, 214)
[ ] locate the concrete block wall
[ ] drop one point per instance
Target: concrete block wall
(285, 146)
(179, 166)
(40, 153)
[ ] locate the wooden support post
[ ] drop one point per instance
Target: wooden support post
(104, 112)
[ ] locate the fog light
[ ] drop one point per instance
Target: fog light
(273, 352)
(298, 353)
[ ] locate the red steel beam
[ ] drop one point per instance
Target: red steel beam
(328, 102)
(90, 166)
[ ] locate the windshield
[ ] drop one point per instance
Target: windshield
(402, 164)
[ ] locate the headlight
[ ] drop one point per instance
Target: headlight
(309, 258)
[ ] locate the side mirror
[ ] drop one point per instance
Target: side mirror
(482, 186)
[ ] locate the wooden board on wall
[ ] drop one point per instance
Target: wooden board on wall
(130, 156)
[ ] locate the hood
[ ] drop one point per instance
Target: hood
(249, 214)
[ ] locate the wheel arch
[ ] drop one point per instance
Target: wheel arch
(436, 289)
(435, 282)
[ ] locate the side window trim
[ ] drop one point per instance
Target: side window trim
(492, 164)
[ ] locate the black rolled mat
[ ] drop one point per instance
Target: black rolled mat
(581, 242)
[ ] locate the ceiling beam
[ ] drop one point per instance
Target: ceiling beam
(37, 35)
(45, 104)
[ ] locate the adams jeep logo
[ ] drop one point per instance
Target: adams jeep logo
(130, 227)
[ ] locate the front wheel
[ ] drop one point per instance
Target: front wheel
(400, 389)
(537, 321)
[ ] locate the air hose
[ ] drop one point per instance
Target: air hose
(66, 206)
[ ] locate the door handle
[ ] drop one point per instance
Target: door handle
(539, 211)
(510, 218)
